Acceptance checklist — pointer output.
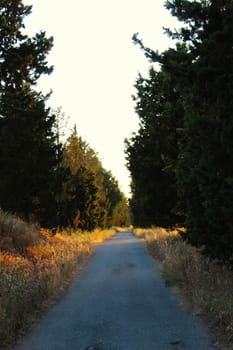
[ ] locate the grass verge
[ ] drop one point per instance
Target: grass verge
(34, 267)
(205, 284)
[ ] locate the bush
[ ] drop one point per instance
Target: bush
(15, 234)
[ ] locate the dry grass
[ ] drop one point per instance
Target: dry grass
(34, 269)
(15, 234)
(205, 284)
(98, 236)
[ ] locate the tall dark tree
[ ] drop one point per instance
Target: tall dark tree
(206, 170)
(152, 152)
(200, 68)
(22, 58)
(28, 152)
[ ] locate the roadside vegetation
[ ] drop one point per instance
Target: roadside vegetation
(205, 285)
(35, 266)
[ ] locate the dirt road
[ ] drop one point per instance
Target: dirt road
(119, 302)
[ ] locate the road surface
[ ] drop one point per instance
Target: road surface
(119, 302)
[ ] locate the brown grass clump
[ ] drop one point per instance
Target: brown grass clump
(206, 284)
(33, 269)
(15, 234)
(28, 280)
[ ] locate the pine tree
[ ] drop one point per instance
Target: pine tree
(200, 68)
(90, 193)
(152, 152)
(116, 204)
(205, 170)
(28, 152)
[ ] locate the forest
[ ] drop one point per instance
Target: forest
(57, 199)
(41, 179)
(181, 158)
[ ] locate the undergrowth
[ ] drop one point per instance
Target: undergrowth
(206, 284)
(34, 265)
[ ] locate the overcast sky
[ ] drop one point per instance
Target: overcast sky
(96, 64)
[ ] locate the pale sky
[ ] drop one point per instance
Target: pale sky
(96, 65)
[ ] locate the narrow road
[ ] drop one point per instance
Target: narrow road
(119, 302)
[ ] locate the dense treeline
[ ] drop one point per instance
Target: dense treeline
(181, 159)
(41, 179)
(91, 196)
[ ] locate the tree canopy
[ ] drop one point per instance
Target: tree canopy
(28, 154)
(193, 97)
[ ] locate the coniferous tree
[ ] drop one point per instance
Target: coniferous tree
(200, 72)
(152, 152)
(90, 193)
(120, 215)
(80, 190)
(205, 170)
(28, 153)
(116, 203)
(28, 156)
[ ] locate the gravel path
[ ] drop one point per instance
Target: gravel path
(119, 302)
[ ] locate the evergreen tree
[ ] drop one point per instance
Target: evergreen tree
(28, 153)
(120, 215)
(152, 152)
(90, 193)
(80, 189)
(205, 170)
(200, 71)
(23, 59)
(116, 204)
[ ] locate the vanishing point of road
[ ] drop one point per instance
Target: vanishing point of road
(119, 302)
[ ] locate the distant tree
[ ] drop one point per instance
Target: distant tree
(90, 193)
(116, 204)
(60, 124)
(112, 195)
(80, 189)
(120, 215)
(79, 202)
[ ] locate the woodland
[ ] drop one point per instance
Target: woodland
(41, 179)
(180, 161)
(181, 158)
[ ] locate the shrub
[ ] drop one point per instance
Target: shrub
(15, 234)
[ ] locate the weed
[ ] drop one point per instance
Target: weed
(169, 278)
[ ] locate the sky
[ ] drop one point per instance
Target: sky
(96, 65)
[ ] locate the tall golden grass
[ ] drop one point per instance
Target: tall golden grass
(206, 284)
(34, 265)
